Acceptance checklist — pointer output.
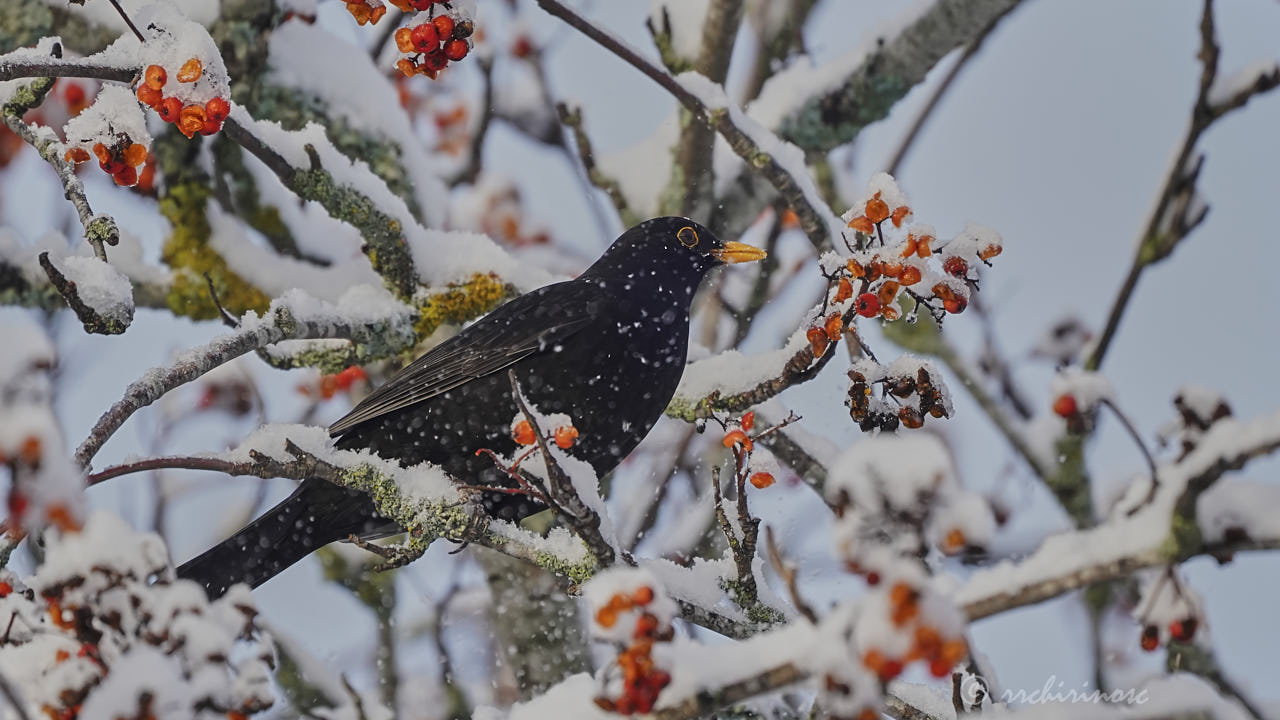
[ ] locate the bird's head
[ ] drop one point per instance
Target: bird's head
(675, 247)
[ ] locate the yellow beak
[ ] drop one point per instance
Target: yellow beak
(736, 252)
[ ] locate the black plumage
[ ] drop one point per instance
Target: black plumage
(607, 348)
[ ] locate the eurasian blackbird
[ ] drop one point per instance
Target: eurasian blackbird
(607, 348)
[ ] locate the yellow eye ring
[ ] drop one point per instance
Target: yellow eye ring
(687, 236)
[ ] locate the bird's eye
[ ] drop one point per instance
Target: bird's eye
(687, 236)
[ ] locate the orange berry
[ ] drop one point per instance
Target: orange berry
(890, 269)
(76, 155)
(910, 417)
(149, 96)
(844, 290)
(62, 518)
(405, 66)
(761, 480)
(135, 154)
(928, 641)
(909, 248)
(191, 120)
(901, 593)
(737, 437)
(61, 656)
(877, 210)
(910, 275)
(376, 14)
(900, 213)
(990, 251)
(748, 420)
(954, 542)
(190, 71)
(889, 313)
(887, 291)
(855, 268)
(102, 153)
(873, 659)
(566, 436)
(646, 624)
(923, 245)
(154, 77)
(29, 451)
(523, 433)
(818, 341)
(862, 225)
(955, 305)
(833, 326)
(404, 40)
(606, 617)
(643, 595)
(953, 651)
(1065, 406)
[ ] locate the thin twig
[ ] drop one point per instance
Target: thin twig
(1176, 213)
(788, 574)
(11, 694)
(127, 21)
(926, 112)
(817, 221)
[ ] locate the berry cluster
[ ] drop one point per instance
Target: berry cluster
(120, 160)
(190, 118)
(642, 680)
(365, 11)
(330, 385)
(737, 439)
(564, 435)
(432, 45)
(927, 642)
(90, 612)
(911, 391)
(884, 267)
(1168, 601)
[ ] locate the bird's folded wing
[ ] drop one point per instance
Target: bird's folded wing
(529, 324)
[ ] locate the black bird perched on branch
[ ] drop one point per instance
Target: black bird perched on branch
(607, 348)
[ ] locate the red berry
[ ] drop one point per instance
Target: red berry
(1065, 406)
(112, 166)
(1183, 630)
(5, 589)
(425, 38)
(956, 266)
(1150, 638)
(867, 305)
(444, 25)
(217, 109)
(435, 61)
(211, 126)
(873, 578)
(422, 4)
(889, 670)
(939, 668)
(126, 176)
(456, 49)
(170, 108)
(955, 304)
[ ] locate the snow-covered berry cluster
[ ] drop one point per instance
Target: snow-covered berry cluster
(896, 497)
(112, 130)
(190, 117)
(431, 45)
(628, 608)
(911, 389)
(1168, 609)
(90, 637)
(889, 258)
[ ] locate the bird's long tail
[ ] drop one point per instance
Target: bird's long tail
(316, 514)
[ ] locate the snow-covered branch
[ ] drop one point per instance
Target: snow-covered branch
(381, 324)
(1162, 531)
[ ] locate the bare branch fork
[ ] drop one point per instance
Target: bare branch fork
(815, 220)
(582, 519)
(1176, 211)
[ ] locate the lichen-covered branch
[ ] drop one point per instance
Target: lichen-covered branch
(98, 229)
